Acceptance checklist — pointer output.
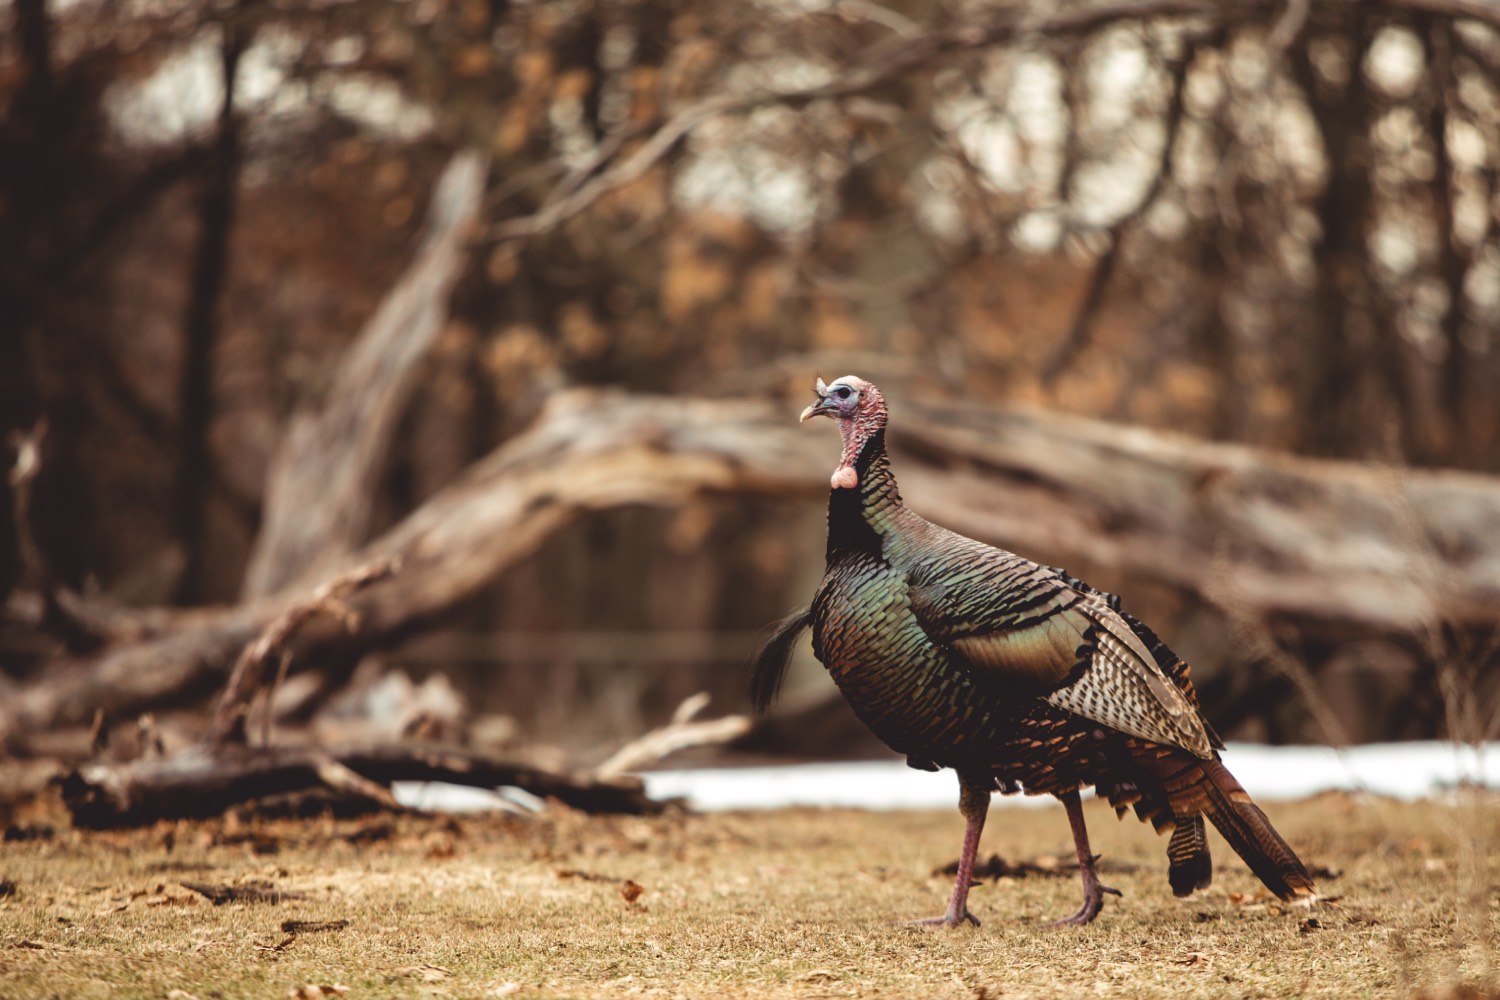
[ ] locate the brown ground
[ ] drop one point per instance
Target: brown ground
(799, 903)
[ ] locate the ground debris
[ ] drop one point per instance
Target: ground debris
(995, 868)
(1257, 900)
(630, 890)
(312, 926)
(425, 972)
(583, 876)
(279, 946)
(316, 991)
(7, 888)
(248, 892)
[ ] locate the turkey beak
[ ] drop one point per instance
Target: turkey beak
(824, 407)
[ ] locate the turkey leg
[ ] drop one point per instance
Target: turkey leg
(974, 803)
(1093, 889)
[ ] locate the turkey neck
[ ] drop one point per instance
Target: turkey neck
(860, 517)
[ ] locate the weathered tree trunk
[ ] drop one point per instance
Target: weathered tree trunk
(325, 474)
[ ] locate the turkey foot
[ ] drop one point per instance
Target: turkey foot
(949, 919)
(1093, 889)
(1093, 901)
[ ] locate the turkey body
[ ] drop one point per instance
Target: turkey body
(961, 655)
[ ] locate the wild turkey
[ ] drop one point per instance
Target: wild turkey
(1014, 674)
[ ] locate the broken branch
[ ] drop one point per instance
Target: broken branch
(249, 673)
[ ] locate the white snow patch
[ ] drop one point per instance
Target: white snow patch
(1402, 770)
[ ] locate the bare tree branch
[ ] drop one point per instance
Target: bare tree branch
(1077, 336)
(882, 64)
(1286, 29)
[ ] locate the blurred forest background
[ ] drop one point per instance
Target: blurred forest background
(276, 276)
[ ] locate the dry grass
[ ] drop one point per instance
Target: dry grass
(790, 904)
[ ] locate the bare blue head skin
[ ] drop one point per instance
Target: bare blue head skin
(860, 410)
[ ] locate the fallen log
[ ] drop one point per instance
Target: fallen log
(588, 450)
(1376, 550)
(1381, 548)
(203, 781)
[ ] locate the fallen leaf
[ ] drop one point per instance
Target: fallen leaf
(1309, 925)
(7, 888)
(315, 991)
(427, 973)
(632, 891)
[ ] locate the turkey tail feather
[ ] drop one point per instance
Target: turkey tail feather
(1190, 865)
(1251, 835)
(775, 655)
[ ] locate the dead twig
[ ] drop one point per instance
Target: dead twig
(679, 734)
(341, 778)
(98, 735)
